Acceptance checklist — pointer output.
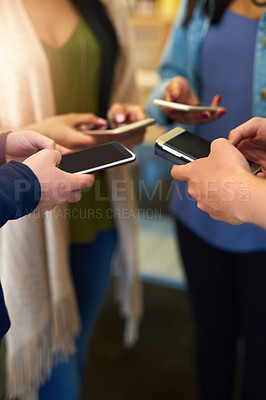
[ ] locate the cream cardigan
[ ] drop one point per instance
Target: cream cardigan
(34, 250)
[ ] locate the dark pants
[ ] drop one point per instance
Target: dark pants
(228, 296)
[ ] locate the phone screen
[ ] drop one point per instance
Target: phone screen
(190, 144)
(196, 147)
(96, 158)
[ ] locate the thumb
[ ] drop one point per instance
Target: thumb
(55, 157)
(117, 113)
(180, 172)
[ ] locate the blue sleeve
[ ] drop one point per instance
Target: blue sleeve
(173, 63)
(20, 191)
(20, 194)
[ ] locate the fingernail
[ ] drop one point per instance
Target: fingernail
(120, 118)
(222, 113)
(219, 97)
(102, 121)
(205, 115)
(173, 95)
(174, 111)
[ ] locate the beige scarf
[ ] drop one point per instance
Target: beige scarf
(34, 250)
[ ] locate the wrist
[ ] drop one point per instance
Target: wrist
(252, 208)
(242, 195)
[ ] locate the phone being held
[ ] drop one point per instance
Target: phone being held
(96, 158)
(185, 107)
(181, 147)
(121, 130)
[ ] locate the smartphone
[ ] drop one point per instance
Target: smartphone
(96, 158)
(184, 107)
(180, 147)
(127, 128)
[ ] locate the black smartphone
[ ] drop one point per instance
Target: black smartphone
(180, 147)
(96, 158)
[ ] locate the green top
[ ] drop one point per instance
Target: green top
(75, 70)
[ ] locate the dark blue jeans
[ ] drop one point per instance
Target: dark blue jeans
(228, 297)
(90, 265)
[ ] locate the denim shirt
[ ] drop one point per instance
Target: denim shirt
(186, 63)
(182, 56)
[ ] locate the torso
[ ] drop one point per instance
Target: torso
(226, 68)
(51, 25)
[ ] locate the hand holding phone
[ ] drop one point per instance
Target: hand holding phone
(96, 158)
(181, 147)
(223, 186)
(185, 107)
(129, 135)
(179, 91)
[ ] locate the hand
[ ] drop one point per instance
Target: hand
(22, 144)
(250, 139)
(179, 91)
(63, 129)
(57, 187)
(122, 114)
(220, 182)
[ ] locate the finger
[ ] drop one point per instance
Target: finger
(61, 149)
(261, 175)
(172, 92)
(74, 197)
(213, 116)
(216, 100)
(117, 113)
(190, 118)
(43, 142)
(80, 181)
(180, 172)
(135, 113)
(86, 118)
(37, 140)
(248, 130)
(56, 157)
(75, 139)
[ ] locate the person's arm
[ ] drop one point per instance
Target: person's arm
(174, 85)
(24, 186)
(255, 209)
(63, 129)
(13, 176)
(20, 191)
(224, 187)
